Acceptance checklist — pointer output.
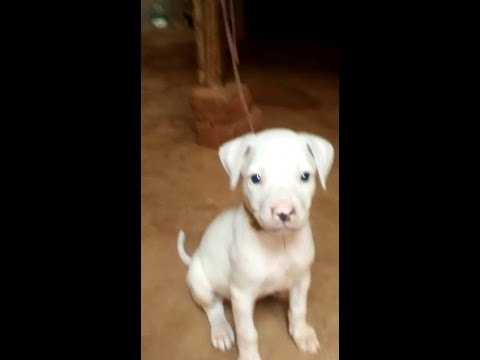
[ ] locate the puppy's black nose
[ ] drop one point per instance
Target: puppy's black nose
(284, 217)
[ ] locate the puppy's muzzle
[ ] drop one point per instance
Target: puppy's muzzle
(284, 212)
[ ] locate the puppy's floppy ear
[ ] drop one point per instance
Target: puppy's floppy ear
(232, 154)
(323, 153)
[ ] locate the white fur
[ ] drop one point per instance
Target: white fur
(241, 262)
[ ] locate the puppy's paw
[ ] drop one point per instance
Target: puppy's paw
(222, 336)
(305, 338)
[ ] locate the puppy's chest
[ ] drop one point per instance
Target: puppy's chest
(281, 272)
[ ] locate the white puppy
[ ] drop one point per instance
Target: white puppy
(265, 245)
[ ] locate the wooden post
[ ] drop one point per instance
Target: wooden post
(198, 21)
(213, 43)
(209, 42)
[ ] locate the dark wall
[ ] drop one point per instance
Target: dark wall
(296, 20)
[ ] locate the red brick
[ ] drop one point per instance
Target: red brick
(213, 117)
(234, 103)
(213, 135)
(219, 118)
(209, 99)
(219, 100)
(219, 105)
(231, 90)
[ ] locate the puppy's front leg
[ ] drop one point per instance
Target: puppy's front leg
(243, 305)
(303, 334)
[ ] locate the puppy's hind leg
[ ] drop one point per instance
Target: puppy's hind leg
(203, 294)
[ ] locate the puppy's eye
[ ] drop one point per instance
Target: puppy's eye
(255, 178)
(305, 176)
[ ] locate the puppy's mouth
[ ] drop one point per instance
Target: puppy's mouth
(284, 226)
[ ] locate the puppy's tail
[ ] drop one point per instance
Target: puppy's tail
(181, 248)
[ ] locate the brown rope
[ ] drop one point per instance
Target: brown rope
(234, 55)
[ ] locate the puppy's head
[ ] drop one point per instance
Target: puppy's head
(278, 169)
